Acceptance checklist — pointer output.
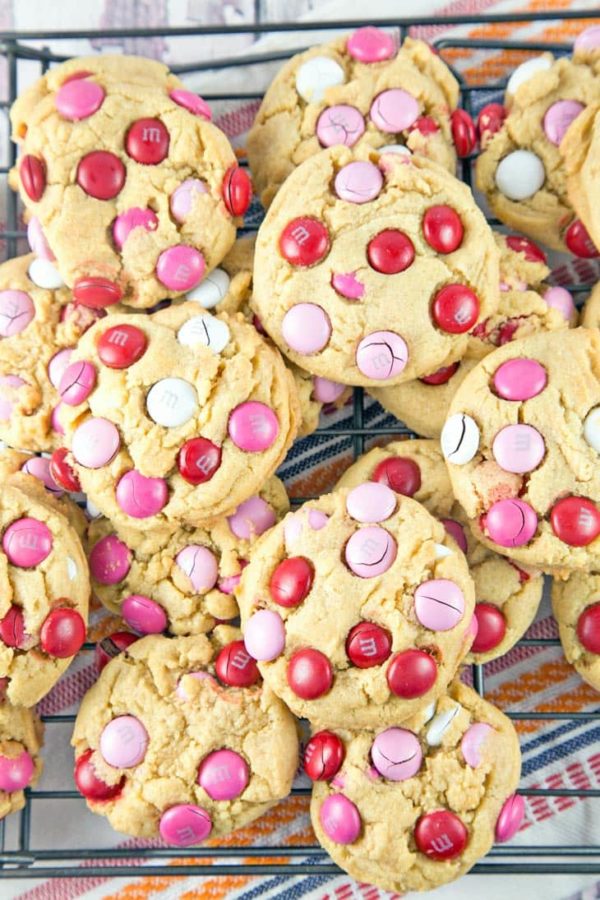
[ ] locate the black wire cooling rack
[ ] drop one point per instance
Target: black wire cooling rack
(19, 858)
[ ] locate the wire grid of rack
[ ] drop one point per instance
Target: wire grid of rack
(28, 862)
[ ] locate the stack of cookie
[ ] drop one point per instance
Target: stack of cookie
(164, 370)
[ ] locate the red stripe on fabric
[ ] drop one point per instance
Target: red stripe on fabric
(238, 121)
(69, 691)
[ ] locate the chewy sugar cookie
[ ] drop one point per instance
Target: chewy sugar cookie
(414, 806)
(182, 583)
(45, 591)
(527, 305)
(360, 91)
(347, 240)
(590, 317)
(179, 739)
(136, 193)
(580, 149)
(395, 642)
(507, 596)
(21, 737)
(521, 442)
(177, 418)
(576, 608)
(39, 326)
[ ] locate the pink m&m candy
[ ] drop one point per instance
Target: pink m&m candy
(371, 502)
(6, 404)
(347, 285)
(200, 566)
(182, 198)
(518, 448)
(58, 365)
(561, 299)
(143, 615)
(326, 391)
(381, 355)
(27, 542)
(511, 523)
(192, 102)
(180, 268)
(79, 99)
(16, 312)
(135, 217)
(472, 741)
(110, 560)
(306, 328)
(264, 635)
(251, 518)
(394, 110)
(95, 443)
(510, 818)
(139, 496)
(588, 39)
(223, 775)
(439, 604)
(340, 819)
(77, 382)
(456, 531)
(123, 742)
(396, 754)
(520, 379)
(370, 551)
(340, 124)
(558, 117)
(39, 467)
(358, 182)
(16, 772)
(37, 240)
(185, 824)
(253, 426)
(370, 44)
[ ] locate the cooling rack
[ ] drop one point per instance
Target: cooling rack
(28, 861)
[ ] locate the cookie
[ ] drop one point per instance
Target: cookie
(179, 739)
(21, 736)
(414, 806)
(45, 591)
(136, 192)
(521, 442)
(577, 611)
(521, 170)
(182, 583)
(590, 317)
(580, 148)
(358, 233)
(358, 91)
(404, 625)
(527, 305)
(176, 418)
(39, 326)
(507, 596)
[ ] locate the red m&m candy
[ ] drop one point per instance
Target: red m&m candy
(111, 646)
(89, 784)
(304, 241)
(97, 292)
(575, 520)
(579, 241)
(198, 460)
(323, 756)
(442, 228)
(442, 376)
(62, 633)
(62, 473)
(400, 473)
(368, 645)
(441, 835)
(411, 674)
(455, 308)
(236, 190)
(235, 667)
(291, 581)
(463, 132)
(531, 251)
(309, 674)
(32, 172)
(101, 174)
(147, 142)
(390, 252)
(491, 627)
(489, 121)
(12, 627)
(425, 125)
(121, 346)
(588, 628)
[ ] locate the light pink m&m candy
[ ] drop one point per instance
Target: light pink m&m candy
(39, 467)
(358, 182)
(27, 542)
(439, 604)
(518, 448)
(558, 118)
(200, 566)
(139, 496)
(110, 560)
(340, 819)
(135, 217)
(510, 818)
(396, 754)
(588, 39)
(77, 382)
(123, 742)
(180, 268)
(6, 404)
(253, 426)
(184, 825)
(520, 379)
(473, 740)
(223, 775)
(371, 502)
(306, 328)
(326, 391)
(182, 198)
(16, 772)
(16, 312)
(37, 240)
(561, 299)
(264, 635)
(192, 102)
(341, 124)
(370, 44)
(511, 523)
(79, 99)
(95, 443)
(251, 518)
(381, 355)
(181, 691)
(58, 364)
(370, 551)
(394, 110)
(143, 615)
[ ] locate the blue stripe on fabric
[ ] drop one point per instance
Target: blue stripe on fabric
(307, 884)
(553, 754)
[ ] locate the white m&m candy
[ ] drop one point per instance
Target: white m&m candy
(316, 75)
(460, 439)
(591, 428)
(171, 402)
(45, 274)
(526, 71)
(520, 175)
(211, 290)
(206, 330)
